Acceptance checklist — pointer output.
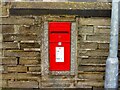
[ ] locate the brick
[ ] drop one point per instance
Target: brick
(18, 20)
(17, 69)
(29, 62)
(19, 37)
(86, 30)
(95, 21)
(35, 69)
(103, 46)
(7, 29)
(87, 45)
(23, 84)
(91, 53)
(9, 61)
(10, 45)
(20, 53)
(98, 38)
(29, 45)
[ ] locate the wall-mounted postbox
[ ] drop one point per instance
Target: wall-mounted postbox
(59, 46)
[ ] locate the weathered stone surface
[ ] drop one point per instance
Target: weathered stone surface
(98, 38)
(102, 30)
(91, 83)
(91, 76)
(20, 76)
(17, 69)
(4, 11)
(103, 46)
(19, 37)
(7, 28)
(35, 69)
(23, 84)
(20, 53)
(29, 62)
(91, 68)
(9, 61)
(87, 46)
(91, 61)
(22, 36)
(3, 83)
(101, 53)
(63, 5)
(70, 19)
(86, 29)
(10, 45)
(29, 29)
(29, 45)
(95, 21)
(17, 20)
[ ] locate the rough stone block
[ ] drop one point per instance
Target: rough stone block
(19, 37)
(20, 76)
(18, 20)
(17, 69)
(10, 45)
(29, 29)
(7, 29)
(91, 76)
(86, 30)
(102, 30)
(95, 53)
(98, 38)
(29, 45)
(29, 61)
(87, 68)
(91, 83)
(103, 46)
(35, 69)
(20, 53)
(95, 21)
(87, 45)
(3, 84)
(23, 84)
(9, 61)
(91, 61)
(4, 11)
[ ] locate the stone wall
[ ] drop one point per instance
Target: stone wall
(21, 51)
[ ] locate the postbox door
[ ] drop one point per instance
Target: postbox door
(59, 46)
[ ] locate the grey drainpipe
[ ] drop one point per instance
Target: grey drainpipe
(112, 64)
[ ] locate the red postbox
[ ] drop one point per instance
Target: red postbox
(59, 46)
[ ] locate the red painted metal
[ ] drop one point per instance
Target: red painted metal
(59, 32)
